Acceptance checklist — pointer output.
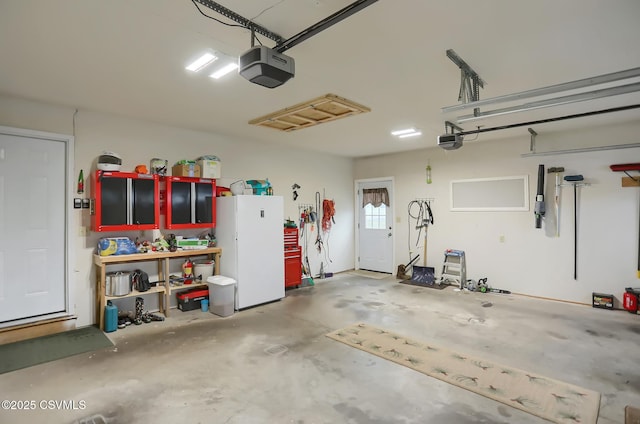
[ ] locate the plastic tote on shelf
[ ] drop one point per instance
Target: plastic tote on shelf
(222, 293)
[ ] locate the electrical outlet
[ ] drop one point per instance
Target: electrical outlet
(501, 238)
(82, 231)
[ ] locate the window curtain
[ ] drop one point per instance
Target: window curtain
(375, 196)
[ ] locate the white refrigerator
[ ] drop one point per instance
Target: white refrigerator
(249, 229)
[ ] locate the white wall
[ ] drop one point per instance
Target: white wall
(529, 261)
(139, 141)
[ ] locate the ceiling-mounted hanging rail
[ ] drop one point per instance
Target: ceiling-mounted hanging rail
(582, 150)
(544, 121)
(558, 101)
(552, 89)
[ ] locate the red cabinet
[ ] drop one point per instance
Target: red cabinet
(292, 258)
(188, 202)
(124, 201)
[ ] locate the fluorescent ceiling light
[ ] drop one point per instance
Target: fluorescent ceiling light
(413, 134)
(201, 62)
(224, 70)
(406, 131)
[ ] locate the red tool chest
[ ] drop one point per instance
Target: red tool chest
(630, 299)
(292, 258)
(124, 201)
(188, 202)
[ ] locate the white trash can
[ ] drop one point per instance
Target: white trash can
(222, 295)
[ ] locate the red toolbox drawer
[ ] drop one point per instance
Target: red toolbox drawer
(290, 237)
(292, 267)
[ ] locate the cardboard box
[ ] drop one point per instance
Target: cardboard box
(602, 300)
(210, 168)
(192, 244)
(187, 170)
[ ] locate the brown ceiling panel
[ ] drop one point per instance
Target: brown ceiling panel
(313, 112)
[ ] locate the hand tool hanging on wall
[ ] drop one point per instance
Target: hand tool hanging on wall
(318, 237)
(574, 180)
(539, 207)
(295, 193)
(428, 220)
(423, 219)
(635, 181)
(556, 200)
(328, 212)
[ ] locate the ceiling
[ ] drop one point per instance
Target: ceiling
(128, 58)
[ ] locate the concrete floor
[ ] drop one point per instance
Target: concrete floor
(273, 364)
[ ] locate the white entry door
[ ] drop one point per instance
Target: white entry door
(375, 226)
(32, 227)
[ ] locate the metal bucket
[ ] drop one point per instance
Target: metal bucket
(118, 283)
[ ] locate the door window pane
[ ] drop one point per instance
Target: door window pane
(375, 218)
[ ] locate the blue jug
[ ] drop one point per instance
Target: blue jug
(110, 317)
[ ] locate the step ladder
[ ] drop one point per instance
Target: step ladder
(454, 268)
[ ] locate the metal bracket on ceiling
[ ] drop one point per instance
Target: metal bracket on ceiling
(470, 81)
(532, 145)
(450, 126)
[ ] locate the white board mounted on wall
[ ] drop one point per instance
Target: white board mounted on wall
(490, 194)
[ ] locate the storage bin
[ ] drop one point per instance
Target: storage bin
(222, 295)
(210, 166)
(602, 300)
(203, 270)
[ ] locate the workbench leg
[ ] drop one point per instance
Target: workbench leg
(167, 289)
(100, 289)
(161, 278)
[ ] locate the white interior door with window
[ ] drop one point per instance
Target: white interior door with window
(375, 225)
(33, 225)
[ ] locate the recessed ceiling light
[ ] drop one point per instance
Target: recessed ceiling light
(413, 134)
(405, 131)
(201, 62)
(224, 70)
